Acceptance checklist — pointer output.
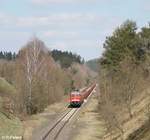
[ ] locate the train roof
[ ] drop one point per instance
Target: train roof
(76, 90)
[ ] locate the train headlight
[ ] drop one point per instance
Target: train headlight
(85, 100)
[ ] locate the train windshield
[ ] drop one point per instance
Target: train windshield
(73, 94)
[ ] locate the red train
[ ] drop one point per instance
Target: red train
(77, 97)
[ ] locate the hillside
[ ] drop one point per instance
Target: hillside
(6, 88)
(10, 127)
(9, 124)
(124, 82)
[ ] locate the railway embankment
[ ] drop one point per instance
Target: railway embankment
(61, 127)
(41, 125)
(10, 125)
(35, 123)
(137, 127)
(89, 125)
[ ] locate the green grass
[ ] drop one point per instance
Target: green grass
(6, 88)
(10, 127)
(13, 126)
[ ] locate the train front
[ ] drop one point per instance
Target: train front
(75, 99)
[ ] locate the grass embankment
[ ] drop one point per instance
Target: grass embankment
(89, 125)
(9, 126)
(35, 124)
(137, 127)
(6, 88)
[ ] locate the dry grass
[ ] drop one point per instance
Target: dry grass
(37, 121)
(139, 118)
(10, 127)
(89, 125)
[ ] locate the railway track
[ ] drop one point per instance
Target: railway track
(55, 130)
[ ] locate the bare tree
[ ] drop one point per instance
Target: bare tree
(33, 59)
(43, 81)
(108, 109)
(129, 83)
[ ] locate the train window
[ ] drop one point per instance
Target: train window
(76, 90)
(75, 94)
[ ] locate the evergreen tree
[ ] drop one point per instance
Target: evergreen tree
(7, 55)
(66, 58)
(123, 42)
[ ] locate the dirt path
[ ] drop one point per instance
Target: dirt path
(35, 124)
(89, 125)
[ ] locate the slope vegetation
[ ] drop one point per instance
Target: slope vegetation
(124, 83)
(9, 124)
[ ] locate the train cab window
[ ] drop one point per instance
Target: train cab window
(77, 90)
(73, 94)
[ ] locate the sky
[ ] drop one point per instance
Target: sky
(80, 26)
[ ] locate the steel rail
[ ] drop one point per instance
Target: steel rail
(60, 121)
(65, 123)
(54, 126)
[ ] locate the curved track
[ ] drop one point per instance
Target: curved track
(55, 130)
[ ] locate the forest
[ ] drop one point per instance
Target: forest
(66, 58)
(124, 81)
(35, 72)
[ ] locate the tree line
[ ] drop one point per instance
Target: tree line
(38, 79)
(66, 58)
(8, 55)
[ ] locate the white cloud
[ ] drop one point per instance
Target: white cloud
(5, 19)
(60, 34)
(59, 45)
(66, 31)
(13, 40)
(71, 44)
(61, 1)
(61, 20)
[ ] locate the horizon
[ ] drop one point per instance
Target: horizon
(51, 51)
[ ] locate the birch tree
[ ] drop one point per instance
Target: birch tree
(33, 58)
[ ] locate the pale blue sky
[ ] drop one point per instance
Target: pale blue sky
(80, 26)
